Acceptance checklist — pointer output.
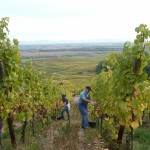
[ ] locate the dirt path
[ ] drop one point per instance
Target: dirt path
(47, 143)
(81, 139)
(81, 136)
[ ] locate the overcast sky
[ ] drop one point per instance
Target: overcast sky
(57, 20)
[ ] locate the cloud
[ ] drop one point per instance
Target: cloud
(75, 19)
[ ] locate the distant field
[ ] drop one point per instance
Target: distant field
(69, 61)
(57, 53)
(69, 50)
(68, 68)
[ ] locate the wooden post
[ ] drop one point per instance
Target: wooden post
(1, 127)
(23, 130)
(1, 84)
(11, 131)
(120, 134)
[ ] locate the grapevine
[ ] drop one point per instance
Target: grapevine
(122, 91)
(26, 96)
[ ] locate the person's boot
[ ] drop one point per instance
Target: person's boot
(60, 118)
(85, 129)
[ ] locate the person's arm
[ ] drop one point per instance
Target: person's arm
(83, 98)
(92, 102)
(87, 100)
(65, 103)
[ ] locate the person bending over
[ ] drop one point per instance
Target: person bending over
(66, 107)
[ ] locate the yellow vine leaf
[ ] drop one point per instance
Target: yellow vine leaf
(128, 123)
(122, 122)
(1, 107)
(114, 136)
(7, 110)
(134, 124)
(107, 119)
(142, 107)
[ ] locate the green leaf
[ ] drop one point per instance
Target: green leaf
(148, 44)
(137, 30)
(2, 35)
(11, 95)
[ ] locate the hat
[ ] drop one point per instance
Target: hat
(63, 94)
(89, 88)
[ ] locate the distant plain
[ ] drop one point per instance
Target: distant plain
(69, 61)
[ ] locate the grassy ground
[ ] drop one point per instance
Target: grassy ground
(142, 138)
(32, 141)
(74, 68)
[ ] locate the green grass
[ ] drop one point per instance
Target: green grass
(32, 142)
(142, 138)
(66, 68)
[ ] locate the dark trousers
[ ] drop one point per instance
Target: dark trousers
(65, 110)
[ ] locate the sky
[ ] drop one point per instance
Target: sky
(75, 20)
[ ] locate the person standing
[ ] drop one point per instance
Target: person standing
(84, 99)
(66, 107)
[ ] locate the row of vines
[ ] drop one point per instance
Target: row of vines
(122, 89)
(24, 94)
